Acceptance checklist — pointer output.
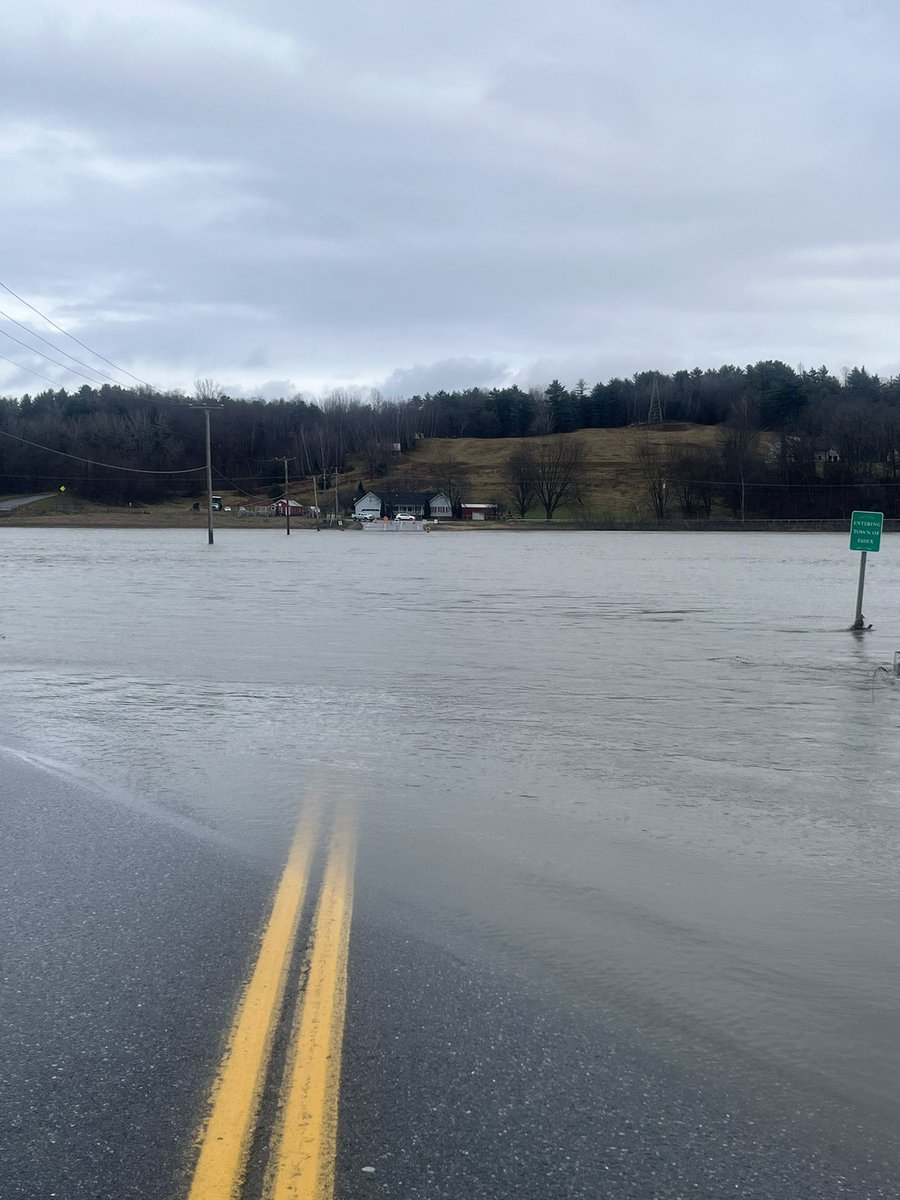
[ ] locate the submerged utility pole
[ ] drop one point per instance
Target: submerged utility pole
(287, 500)
(209, 504)
(207, 394)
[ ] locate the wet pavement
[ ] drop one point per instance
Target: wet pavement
(627, 905)
(124, 946)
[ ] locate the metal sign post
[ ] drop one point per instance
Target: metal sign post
(865, 535)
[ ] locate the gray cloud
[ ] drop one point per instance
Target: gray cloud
(449, 374)
(325, 196)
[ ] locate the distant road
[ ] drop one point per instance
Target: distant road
(11, 505)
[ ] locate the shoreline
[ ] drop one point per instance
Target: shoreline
(148, 519)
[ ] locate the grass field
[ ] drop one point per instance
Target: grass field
(613, 487)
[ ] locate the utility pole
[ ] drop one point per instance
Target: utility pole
(209, 506)
(334, 477)
(316, 502)
(287, 501)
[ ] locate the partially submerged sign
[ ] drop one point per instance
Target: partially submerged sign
(865, 530)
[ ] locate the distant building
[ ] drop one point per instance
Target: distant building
(424, 506)
(439, 508)
(296, 508)
(478, 512)
(367, 507)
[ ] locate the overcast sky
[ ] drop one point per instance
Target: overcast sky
(288, 196)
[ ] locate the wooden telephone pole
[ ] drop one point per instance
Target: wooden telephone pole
(287, 499)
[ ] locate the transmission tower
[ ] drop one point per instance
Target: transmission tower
(654, 417)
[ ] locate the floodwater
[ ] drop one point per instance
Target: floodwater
(652, 766)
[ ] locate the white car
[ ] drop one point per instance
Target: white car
(404, 517)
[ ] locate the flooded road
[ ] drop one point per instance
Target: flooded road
(647, 783)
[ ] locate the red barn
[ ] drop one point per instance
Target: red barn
(296, 508)
(478, 512)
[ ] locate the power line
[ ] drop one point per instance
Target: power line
(94, 463)
(40, 353)
(58, 349)
(41, 475)
(234, 486)
(60, 329)
(84, 346)
(36, 374)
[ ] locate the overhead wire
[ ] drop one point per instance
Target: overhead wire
(56, 362)
(235, 487)
(95, 463)
(78, 341)
(19, 367)
(41, 475)
(58, 349)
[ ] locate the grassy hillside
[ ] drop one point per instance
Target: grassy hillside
(613, 485)
(613, 488)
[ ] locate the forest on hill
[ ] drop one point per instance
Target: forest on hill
(792, 443)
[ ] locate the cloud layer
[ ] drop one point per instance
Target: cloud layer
(411, 197)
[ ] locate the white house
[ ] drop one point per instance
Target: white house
(434, 506)
(367, 507)
(439, 507)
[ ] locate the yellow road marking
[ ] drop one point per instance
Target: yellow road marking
(236, 1093)
(303, 1163)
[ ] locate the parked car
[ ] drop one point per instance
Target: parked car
(404, 517)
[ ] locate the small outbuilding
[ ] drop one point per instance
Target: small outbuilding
(478, 512)
(281, 508)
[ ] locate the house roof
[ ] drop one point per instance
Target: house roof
(411, 497)
(406, 497)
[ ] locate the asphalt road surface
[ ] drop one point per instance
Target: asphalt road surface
(127, 944)
(124, 945)
(18, 502)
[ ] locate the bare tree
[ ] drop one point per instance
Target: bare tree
(654, 466)
(739, 451)
(559, 470)
(451, 477)
(208, 391)
(692, 471)
(519, 473)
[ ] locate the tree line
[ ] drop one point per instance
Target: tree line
(792, 442)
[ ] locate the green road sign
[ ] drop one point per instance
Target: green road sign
(865, 530)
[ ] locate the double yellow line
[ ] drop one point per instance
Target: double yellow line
(301, 1163)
